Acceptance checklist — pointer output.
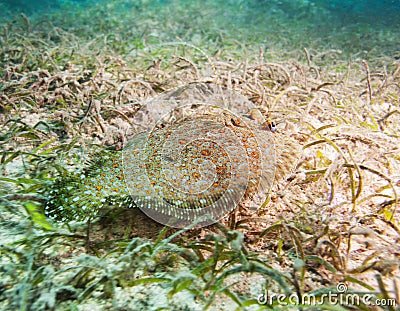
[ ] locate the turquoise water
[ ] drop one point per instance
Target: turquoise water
(384, 11)
(351, 26)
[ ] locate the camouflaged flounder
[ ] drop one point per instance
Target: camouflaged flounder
(208, 158)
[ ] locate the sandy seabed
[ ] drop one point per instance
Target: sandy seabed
(71, 82)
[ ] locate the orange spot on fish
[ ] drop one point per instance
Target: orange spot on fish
(255, 154)
(205, 152)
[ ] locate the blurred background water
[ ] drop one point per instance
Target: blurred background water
(333, 23)
(351, 11)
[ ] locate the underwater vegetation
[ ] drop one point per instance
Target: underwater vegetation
(71, 84)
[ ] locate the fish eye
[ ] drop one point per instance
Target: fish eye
(272, 126)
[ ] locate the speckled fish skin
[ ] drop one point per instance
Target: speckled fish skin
(187, 166)
(195, 167)
(205, 162)
(80, 195)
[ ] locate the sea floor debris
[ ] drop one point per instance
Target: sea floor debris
(332, 218)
